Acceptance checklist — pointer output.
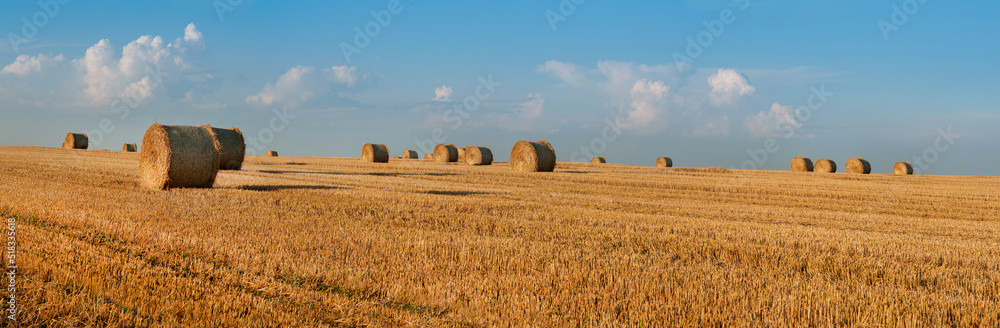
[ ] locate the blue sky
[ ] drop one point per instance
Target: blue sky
(890, 98)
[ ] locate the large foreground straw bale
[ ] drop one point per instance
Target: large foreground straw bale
(375, 153)
(664, 161)
(858, 166)
(475, 155)
(802, 164)
(445, 153)
(129, 148)
(177, 156)
(824, 165)
(410, 154)
(598, 160)
(537, 156)
(231, 147)
(75, 141)
(902, 168)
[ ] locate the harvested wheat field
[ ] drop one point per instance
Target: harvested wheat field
(296, 241)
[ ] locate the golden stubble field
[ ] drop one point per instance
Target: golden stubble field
(300, 241)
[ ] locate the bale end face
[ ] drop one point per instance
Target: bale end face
(177, 156)
(375, 153)
(664, 162)
(858, 166)
(445, 153)
(475, 155)
(902, 168)
(824, 165)
(129, 148)
(537, 156)
(598, 160)
(428, 156)
(801, 164)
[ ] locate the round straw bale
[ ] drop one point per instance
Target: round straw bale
(129, 148)
(824, 165)
(410, 154)
(902, 168)
(75, 141)
(375, 153)
(177, 156)
(537, 156)
(270, 153)
(598, 160)
(475, 155)
(858, 166)
(428, 156)
(445, 153)
(802, 164)
(664, 162)
(231, 147)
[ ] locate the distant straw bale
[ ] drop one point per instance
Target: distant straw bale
(598, 160)
(410, 154)
(475, 155)
(75, 141)
(271, 153)
(664, 162)
(802, 164)
(825, 166)
(858, 166)
(129, 148)
(445, 153)
(375, 153)
(537, 156)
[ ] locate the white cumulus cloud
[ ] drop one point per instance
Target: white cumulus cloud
(24, 64)
(768, 123)
(648, 105)
(443, 93)
(728, 86)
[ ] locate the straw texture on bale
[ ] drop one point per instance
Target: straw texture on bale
(129, 148)
(461, 153)
(824, 165)
(537, 156)
(475, 155)
(858, 166)
(664, 162)
(802, 164)
(177, 156)
(271, 153)
(598, 160)
(410, 154)
(75, 141)
(231, 147)
(902, 168)
(445, 153)
(428, 156)
(375, 153)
